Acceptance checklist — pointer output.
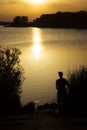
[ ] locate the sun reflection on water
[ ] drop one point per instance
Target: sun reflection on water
(37, 47)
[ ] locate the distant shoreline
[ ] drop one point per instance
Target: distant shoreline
(68, 20)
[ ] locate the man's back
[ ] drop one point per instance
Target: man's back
(61, 83)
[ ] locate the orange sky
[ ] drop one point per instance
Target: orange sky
(11, 8)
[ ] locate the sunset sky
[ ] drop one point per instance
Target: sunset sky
(34, 8)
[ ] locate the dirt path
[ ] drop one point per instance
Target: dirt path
(42, 122)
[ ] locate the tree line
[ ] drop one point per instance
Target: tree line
(63, 20)
(54, 20)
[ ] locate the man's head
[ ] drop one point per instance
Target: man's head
(60, 74)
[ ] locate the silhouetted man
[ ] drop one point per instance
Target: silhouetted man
(61, 91)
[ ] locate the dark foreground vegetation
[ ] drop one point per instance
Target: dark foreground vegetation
(12, 77)
(77, 97)
(55, 20)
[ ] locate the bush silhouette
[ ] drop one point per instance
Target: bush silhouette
(29, 108)
(11, 79)
(77, 98)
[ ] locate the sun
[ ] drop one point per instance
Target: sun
(35, 1)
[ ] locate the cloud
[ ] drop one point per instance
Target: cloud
(6, 2)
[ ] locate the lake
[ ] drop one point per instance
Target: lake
(45, 52)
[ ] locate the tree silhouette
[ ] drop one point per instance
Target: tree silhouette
(19, 21)
(24, 19)
(11, 79)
